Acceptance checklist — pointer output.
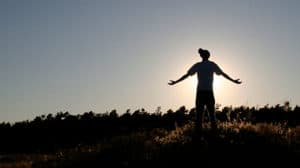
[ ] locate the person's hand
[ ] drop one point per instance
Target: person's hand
(237, 81)
(172, 82)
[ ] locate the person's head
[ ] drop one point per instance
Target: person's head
(204, 54)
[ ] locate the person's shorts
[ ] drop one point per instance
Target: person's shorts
(205, 97)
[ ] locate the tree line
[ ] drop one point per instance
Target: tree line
(63, 130)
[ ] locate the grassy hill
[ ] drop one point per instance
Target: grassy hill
(235, 140)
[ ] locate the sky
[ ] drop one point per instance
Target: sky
(100, 55)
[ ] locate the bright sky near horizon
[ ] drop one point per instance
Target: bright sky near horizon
(100, 55)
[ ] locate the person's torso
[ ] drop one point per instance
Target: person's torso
(205, 73)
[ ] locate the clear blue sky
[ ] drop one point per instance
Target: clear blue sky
(99, 55)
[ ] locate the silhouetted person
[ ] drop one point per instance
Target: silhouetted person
(205, 95)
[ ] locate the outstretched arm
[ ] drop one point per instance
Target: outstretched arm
(180, 79)
(237, 81)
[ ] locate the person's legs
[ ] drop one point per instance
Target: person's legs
(199, 110)
(211, 109)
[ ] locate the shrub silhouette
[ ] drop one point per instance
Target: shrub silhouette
(48, 133)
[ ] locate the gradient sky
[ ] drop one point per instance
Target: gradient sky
(100, 55)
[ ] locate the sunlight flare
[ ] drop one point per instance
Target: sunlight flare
(217, 82)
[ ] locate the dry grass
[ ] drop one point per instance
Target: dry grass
(156, 143)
